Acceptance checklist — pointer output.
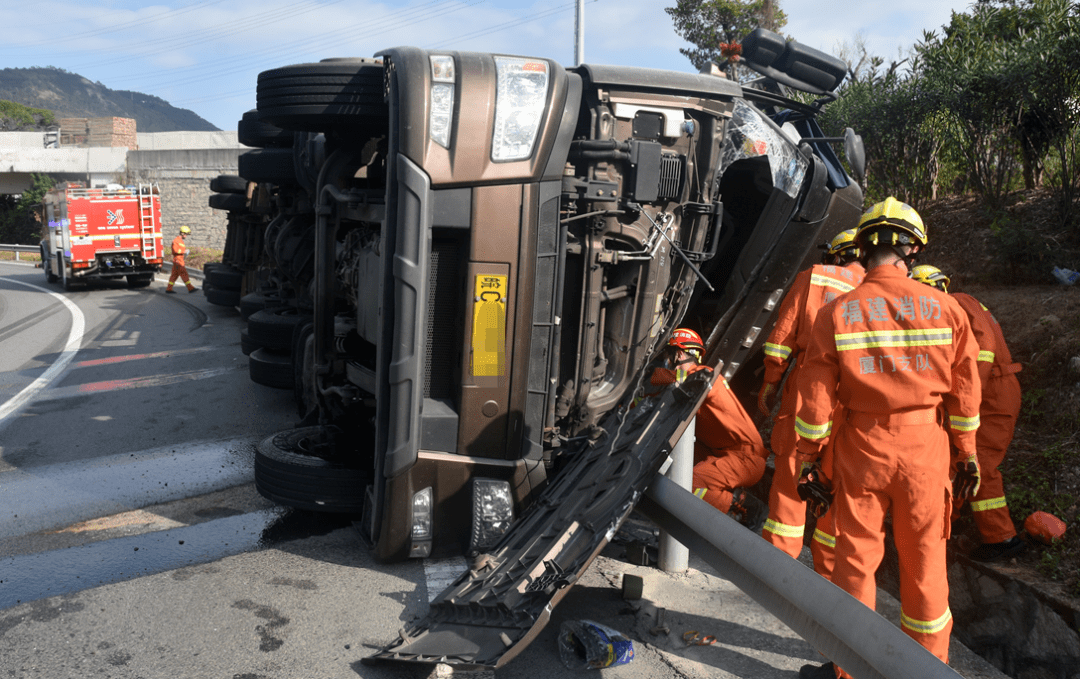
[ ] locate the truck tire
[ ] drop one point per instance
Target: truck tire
(219, 297)
(46, 263)
(274, 166)
(233, 202)
(273, 328)
(257, 301)
(271, 368)
(246, 345)
(228, 183)
(68, 283)
(224, 278)
(140, 280)
(251, 131)
(310, 97)
(299, 468)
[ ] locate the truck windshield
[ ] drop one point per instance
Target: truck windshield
(749, 135)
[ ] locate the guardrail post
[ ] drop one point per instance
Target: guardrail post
(674, 556)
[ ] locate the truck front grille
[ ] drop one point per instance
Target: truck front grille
(443, 305)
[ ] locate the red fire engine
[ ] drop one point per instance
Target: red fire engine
(102, 233)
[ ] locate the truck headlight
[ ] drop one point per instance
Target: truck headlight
(420, 545)
(493, 512)
(441, 117)
(421, 514)
(520, 99)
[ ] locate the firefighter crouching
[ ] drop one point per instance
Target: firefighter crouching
(839, 272)
(998, 410)
(891, 353)
(179, 249)
(729, 455)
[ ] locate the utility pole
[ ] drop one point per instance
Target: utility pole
(579, 34)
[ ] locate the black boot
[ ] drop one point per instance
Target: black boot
(994, 551)
(826, 671)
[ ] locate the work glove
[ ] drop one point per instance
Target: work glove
(814, 489)
(766, 398)
(968, 478)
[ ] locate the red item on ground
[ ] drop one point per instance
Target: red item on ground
(1044, 527)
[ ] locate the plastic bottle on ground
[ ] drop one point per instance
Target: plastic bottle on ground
(1066, 276)
(588, 645)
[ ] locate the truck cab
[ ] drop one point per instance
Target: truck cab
(478, 256)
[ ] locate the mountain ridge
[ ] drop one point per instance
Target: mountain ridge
(70, 95)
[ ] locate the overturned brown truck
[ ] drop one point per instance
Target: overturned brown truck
(463, 264)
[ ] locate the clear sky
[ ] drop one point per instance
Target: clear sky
(205, 55)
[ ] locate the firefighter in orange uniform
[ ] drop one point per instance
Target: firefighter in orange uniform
(179, 249)
(729, 455)
(812, 289)
(891, 353)
(997, 419)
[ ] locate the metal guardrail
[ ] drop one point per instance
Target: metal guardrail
(18, 249)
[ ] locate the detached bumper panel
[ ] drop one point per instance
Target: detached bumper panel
(491, 612)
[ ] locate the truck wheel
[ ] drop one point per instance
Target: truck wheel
(68, 283)
(222, 297)
(257, 301)
(46, 263)
(274, 166)
(141, 280)
(233, 202)
(331, 93)
(251, 131)
(303, 468)
(271, 368)
(228, 183)
(273, 328)
(246, 345)
(224, 278)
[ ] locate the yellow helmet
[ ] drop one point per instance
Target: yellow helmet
(891, 222)
(845, 240)
(932, 276)
(184, 229)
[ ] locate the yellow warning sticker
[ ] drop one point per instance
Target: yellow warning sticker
(489, 326)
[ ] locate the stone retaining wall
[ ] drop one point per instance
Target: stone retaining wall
(183, 176)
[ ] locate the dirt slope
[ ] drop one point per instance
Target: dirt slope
(1041, 322)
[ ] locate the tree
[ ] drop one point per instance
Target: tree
(20, 224)
(709, 23)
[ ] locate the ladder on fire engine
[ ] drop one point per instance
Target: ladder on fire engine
(147, 226)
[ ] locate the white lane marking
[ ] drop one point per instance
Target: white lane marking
(56, 495)
(75, 335)
(440, 573)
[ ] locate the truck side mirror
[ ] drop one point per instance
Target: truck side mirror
(856, 153)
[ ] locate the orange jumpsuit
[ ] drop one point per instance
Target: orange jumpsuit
(891, 353)
(729, 452)
(997, 418)
(812, 289)
(179, 249)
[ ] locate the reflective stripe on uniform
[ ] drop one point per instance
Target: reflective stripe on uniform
(812, 431)
(784, 530)
(987, 356)
(699, 493)
(824, 538)
(827, 282)
(926, 626)
(958, 423)
(777, 351)
(919, 337)
(988, 504)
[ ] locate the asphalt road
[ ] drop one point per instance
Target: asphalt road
(133, 543)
